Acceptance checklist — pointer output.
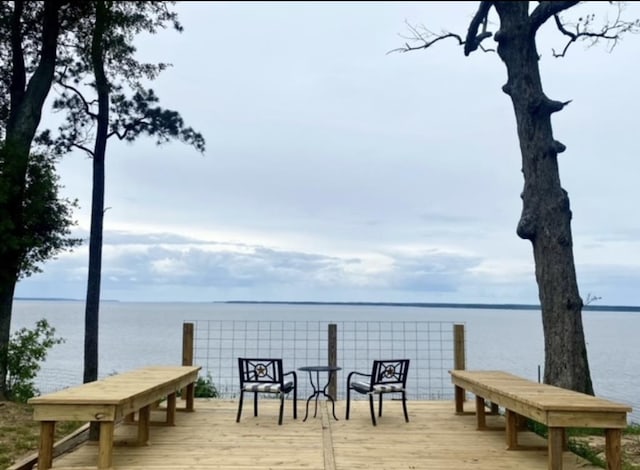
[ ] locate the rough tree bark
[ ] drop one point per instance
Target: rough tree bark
(546, 215)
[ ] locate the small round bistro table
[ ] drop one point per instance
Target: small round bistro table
(317, 391)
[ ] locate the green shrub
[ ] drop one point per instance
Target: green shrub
(205, 388)
(586, 452)
(27, 350)
(633, 429)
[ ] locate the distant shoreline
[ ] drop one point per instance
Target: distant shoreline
(58, 299)
(602, 308)
(598, 308)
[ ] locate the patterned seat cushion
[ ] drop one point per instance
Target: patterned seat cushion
(383, 388)
(363, 387)
(267, 387)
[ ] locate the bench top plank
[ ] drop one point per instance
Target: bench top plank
(119, 389)
(542, 396)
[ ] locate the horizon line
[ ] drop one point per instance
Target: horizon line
(471, 305)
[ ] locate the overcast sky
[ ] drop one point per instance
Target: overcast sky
(335, 171)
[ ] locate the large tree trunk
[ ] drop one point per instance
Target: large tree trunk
(24, 118)
(546, 216)
(6, 303)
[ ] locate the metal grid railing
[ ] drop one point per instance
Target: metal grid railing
(52, 379)
(429, 344)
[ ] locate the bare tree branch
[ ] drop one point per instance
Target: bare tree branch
(611, 32)
(546, 10)
(87, 105)
(82, 147)
(474, 39)
(426, 38)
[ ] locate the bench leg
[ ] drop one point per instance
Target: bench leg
(460, 395)
(480, 413)
(105, 449)
(144, 419)
(555, 448)
(171, 409)
(613, 448)
(511, 424)
(191, 389)
(45, 453)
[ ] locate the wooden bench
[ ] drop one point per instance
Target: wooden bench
(555, 407)
(112, 399)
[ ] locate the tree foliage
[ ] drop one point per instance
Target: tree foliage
(27, 350)
(47, 217)
(34, 221)
(119, 106)
(56, 40)
(133, 108)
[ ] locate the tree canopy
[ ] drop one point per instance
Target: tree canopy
(82, 47)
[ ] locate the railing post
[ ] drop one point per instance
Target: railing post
(459, 358)
(187, 344)
(332, 347)
(187, 351)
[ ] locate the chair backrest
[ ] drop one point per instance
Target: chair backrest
(260, 370)
(392, 371)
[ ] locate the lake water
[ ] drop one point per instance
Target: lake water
(138, 334)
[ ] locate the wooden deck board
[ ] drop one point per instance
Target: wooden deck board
(435, 438)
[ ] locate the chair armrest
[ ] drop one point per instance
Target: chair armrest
(295, 377)
(355, 373)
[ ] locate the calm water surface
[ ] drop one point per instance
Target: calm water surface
(138, 334)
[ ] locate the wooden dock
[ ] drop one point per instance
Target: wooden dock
(435, 438)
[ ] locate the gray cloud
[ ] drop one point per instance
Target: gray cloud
(336, 171)
(136, 261)
(141, 266)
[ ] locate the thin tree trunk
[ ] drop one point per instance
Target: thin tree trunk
(92, 310)
(97, 203)
(546, 215)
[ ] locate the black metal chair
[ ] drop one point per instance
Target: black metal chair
(266, 376)
(389, 376)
